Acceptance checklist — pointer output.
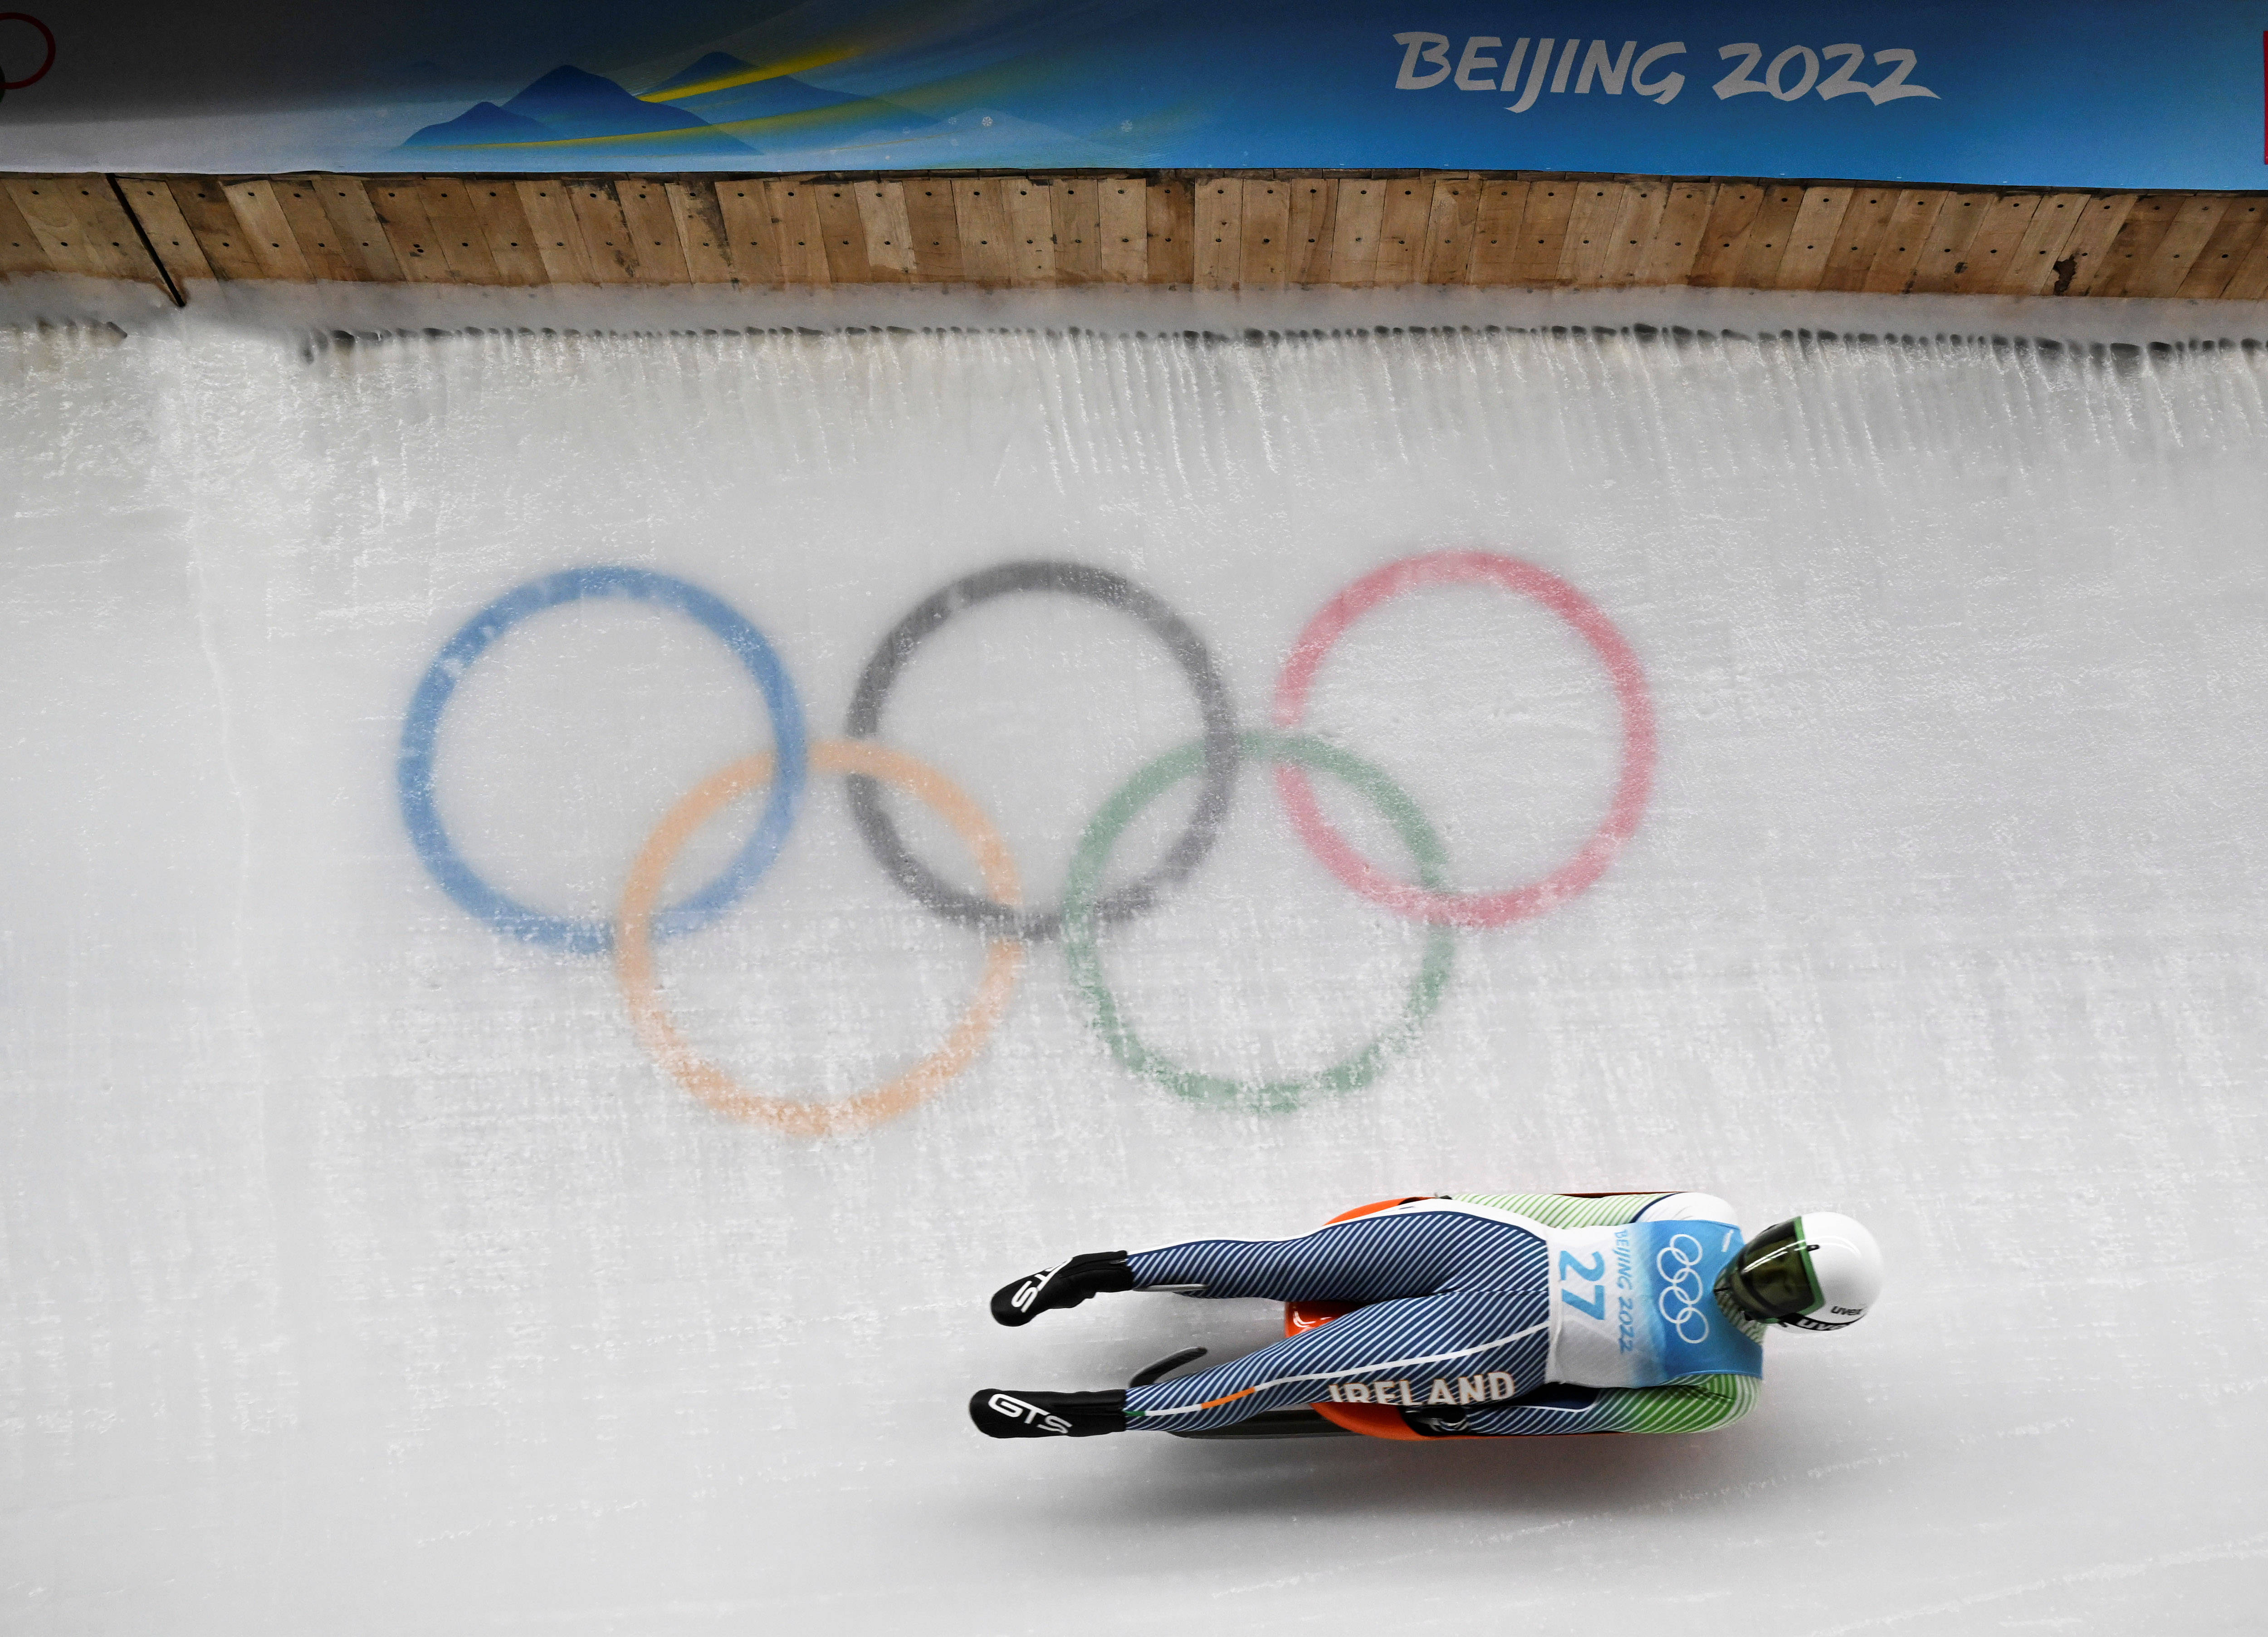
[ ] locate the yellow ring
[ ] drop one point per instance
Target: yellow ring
(634, 953)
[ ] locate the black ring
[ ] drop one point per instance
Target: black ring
(1216, 785)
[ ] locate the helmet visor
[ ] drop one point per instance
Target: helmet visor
(1771, 1277)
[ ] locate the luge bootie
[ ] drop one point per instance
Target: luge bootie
(1001, 1413)
(1091, 1273)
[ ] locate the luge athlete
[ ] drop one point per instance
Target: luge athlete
(1479, 1315)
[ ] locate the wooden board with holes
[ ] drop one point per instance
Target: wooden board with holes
(1075, 209)
(842, 232)
(652, 225)
(1170, 205)
(889, 239)
(2088, 247)
(1354, 246)
(751, 237)
(549, 207)
(204, 206)
(1408, 204)
(323, 246)
(400, 212)
(2127, 259)
(2037, 261)
(935, 226)
(981, 206)
(1768, 237)
(795, 218)
(1725, 238)
(20, 250)
(1677, 240)
(2216, 264)
(266, 231)
(1590, 240)
(2186, 236)
(161, 221)
(1812, 238)
(1449, 225)
(1543, 230)
(1125, 215)
(1218, 256)
(1496, 233)
(1990, 263)
(1267, 226)
(1858, 238)
(1031, 231)
(457, 228)
(1313, 218)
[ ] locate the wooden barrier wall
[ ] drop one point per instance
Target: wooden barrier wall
(1254, 230)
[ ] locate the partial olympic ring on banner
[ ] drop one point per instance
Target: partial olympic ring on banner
(46, 62)
(1112, 591)
(1082, 921)
(422, 727)
(1423, 903)
(1004, 958)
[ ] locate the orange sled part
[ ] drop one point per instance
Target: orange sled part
(1372, 1421)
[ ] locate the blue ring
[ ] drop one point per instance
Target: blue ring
(420, 728)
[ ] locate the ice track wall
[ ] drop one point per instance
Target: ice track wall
(579, 902)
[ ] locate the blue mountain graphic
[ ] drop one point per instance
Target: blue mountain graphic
(568, 105)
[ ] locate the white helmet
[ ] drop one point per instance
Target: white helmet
(1819, 1271)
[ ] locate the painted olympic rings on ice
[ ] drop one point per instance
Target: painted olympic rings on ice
(1081, 913)
(1112, 591)
(414, 773)
(46, 62)
(1004, 958)
(999, 912)
(1421, 903)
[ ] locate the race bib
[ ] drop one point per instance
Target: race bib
(1635, 1306)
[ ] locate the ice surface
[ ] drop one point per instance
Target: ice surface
(365, 1272)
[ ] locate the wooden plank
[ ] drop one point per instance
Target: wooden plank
(936, 227)
(1768, 239)
(1543, 230)
(1125, 230)
(701, 230)
(2034, 263)
(1402, 231)
(1913, 219)
(1267, 226)
(2087, 250)
(1669, 256)
(549, 206)
(77, 225)
(457, 228)
(802, 241)
(1076, 205)
(323, 246)
(751, 237)
(1590, 242)
(1219, 255)
(842, 232)
(1496, 233)
(607, 249)
(889, 238)
(1354, 242)
(1945, 252)
(2128, 258)
(2192, 228)
(1309, 227)
(1859, 237)
(204, 206)
(1172, 208)
(1989, 266)
(981, 208)
(1644, 200)
(362, 236)
(2249, 281)
(267, 232)
(1811, 237)
(1450, 220)
(506, 231)
(400, 209)
(1031, 231)
(653, 224)
(20, 250)
(154, 206)
(1725, 240)
(2225, 252)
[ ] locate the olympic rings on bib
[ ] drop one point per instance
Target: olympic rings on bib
(1076, 579)
(414, 773)
(1082, 918)
(634, 950)
(999, 912)
(1423, 903)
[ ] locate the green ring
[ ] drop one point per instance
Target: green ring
(1081, 928)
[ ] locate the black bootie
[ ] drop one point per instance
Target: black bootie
(999, 1414)
(1089, 1274)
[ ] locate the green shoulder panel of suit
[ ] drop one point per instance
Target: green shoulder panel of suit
(1693, 1404)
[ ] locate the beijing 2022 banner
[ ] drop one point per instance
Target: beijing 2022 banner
(2097, 92)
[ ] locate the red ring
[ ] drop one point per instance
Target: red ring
(1452, 909)
(48, 34)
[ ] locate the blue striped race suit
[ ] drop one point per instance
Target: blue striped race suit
(1456, 1325)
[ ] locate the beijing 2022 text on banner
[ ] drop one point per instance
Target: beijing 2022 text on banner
(2092, 93)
